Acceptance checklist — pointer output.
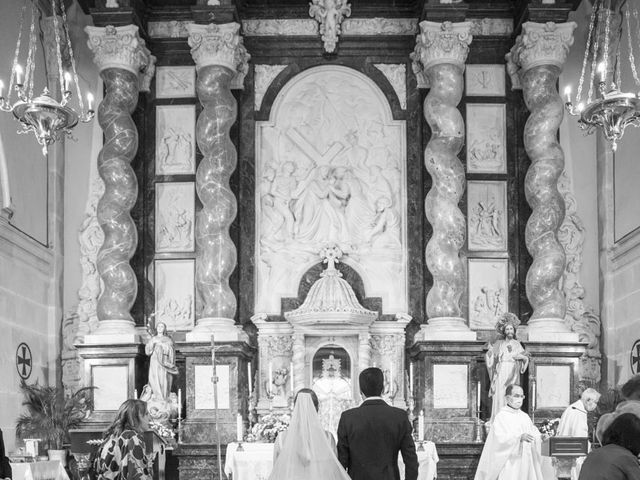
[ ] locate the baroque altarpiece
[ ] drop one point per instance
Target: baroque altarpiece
(325, 188)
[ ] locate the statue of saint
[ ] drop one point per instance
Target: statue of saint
(506, 361)
(334, 393)
(162, 367)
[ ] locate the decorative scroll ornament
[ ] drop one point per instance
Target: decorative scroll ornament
(380, 26)
(331, 299)
(119, 47)
(541, 44)
(329, 13)
(579, 317)
(279, 345)
(440, 43)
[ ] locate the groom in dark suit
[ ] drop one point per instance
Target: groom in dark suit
(371, 435)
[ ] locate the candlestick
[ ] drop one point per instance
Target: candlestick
(411, 377)
(291, 377)
(249, 377)
(239, 428)
(421, 426)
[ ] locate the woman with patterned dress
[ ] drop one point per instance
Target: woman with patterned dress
(122, 453)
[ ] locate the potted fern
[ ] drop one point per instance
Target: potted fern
(51, 414)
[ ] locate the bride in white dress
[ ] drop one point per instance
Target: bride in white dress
(306, 451)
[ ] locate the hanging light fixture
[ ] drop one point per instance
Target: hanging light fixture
(612, 109)
(48, 119)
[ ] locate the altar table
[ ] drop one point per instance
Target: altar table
(255, 461)
(47, 470)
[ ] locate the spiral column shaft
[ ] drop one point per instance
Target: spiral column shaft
(219, 54)
(121, 56)
(441, 53)
(540, 53)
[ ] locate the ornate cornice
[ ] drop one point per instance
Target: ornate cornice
(219, 45)
(271, 28)
(540, 44)
(439, 43)
(119, 47)
(380, 26)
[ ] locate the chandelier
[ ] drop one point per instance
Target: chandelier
(48, 119)
(607, 106)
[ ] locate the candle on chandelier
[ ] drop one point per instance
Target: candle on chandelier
(601, 71)
(249, 377)
(67, 81)
(567, 93)
(18, 71)
(89, 101)
(239, 427)
(1, 89)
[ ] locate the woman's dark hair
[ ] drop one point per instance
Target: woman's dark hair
(129, 417)
(371, 382)
(625, 432)
(631, 389)
(314, 397)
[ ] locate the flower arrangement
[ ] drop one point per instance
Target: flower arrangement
(268, 428)
(163, 431)
(549, 428)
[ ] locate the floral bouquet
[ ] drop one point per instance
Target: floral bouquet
(268, 428)
(164, 432)
(549, 428)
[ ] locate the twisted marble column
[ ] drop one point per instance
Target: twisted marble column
(121, 56)
(219, 54)
(441, 53)
(540, 52)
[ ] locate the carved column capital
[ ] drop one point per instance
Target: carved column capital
(540, 44)
(438, 43)
(119, 47)
(219, 45)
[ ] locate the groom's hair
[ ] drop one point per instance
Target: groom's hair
(371, 382)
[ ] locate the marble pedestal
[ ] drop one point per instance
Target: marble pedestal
(196, 451)
(447, 374)
(117, 371)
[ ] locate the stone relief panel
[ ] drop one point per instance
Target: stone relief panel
(175, 139)
(174, 289)
(264, 75)
(486, 138)
(488, 291)
(175, 217)
(397, 76)
(330, 169)
(487, 216)
(175, 82)
(485, 80)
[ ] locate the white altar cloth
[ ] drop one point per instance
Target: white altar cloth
(256, 461)
(47, 470)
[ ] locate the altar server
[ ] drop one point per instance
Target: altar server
(512, 449)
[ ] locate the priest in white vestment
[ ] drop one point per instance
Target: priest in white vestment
(512, 449)
(573, 422)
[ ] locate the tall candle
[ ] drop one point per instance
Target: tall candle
(421, 426)
(135, 393)
(291, 377)
(239, 428)
(89, 101)
(478, 397)
(179, 402)
(411, 377)
(533, 395)
(18, 71)
(249, 377)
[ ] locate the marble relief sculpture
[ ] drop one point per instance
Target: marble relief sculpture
(487, 216)
(329, 13)
(331, 171)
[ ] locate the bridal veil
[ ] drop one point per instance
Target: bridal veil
(306, 453)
